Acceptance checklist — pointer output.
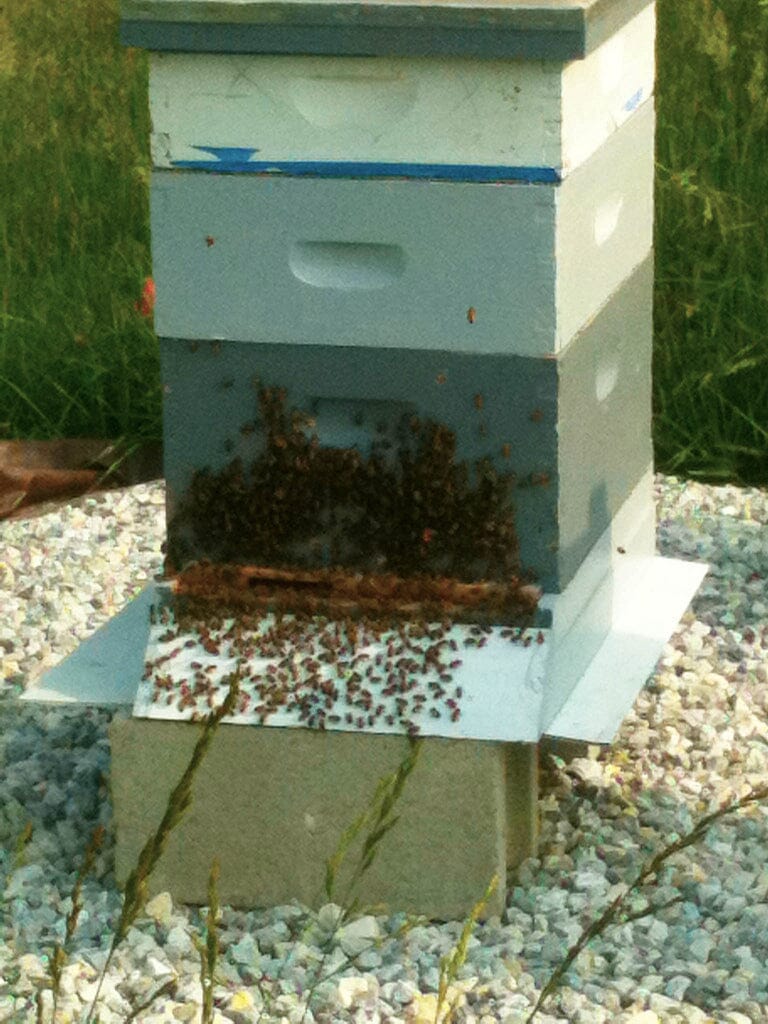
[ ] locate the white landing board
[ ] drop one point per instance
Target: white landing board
(649, 599)
(460, 682)
(105, 668)
(501, 683)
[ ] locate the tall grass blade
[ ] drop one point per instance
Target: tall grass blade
(179, 801)
(58, 957)
(378, 818)
(452, 962)
(209, 950)
(613, 912)
(168, 988)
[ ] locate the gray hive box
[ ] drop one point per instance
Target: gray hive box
(403, 258)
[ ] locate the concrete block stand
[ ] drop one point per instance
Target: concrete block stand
(272, 803)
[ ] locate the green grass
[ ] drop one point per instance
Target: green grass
(711, 316)
(77, 359)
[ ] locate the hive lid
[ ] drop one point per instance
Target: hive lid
(561, 30)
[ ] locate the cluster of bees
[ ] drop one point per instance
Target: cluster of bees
(324, 673)
(409, 506)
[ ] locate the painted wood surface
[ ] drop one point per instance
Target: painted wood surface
(399, 116)
(582, 615)
(510, 689)
(650, 597)
(395, 264)
(575, 430)
(549, 29)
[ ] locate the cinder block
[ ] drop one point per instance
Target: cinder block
(272, 803)
(446, 266)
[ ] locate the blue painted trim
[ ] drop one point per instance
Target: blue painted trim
(232, 160)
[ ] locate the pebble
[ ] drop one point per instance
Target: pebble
(677, 986)
(160, 908)
(355, 990)
(359, 935)
(246, 951)
(695, 734)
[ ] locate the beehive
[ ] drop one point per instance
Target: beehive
(403, 256)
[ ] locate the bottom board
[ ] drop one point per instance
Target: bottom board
(650, 595)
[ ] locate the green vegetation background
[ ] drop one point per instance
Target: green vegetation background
(78, 359)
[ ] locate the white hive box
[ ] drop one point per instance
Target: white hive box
(459, 118)
(398, 264)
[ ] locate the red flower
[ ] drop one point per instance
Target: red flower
(147, 302)
(428, 534)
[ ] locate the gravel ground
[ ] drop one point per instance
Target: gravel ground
(697, 736)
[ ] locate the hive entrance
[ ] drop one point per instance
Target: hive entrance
(338, 593)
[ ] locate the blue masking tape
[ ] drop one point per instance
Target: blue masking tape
(236, 160)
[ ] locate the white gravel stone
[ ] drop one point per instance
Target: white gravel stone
(246, 951)
(356, 990)
(676, 986)
(697, 736)
(160, 908)
(359, 935)
(178, 943)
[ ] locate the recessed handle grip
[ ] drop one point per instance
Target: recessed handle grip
(347, 266)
